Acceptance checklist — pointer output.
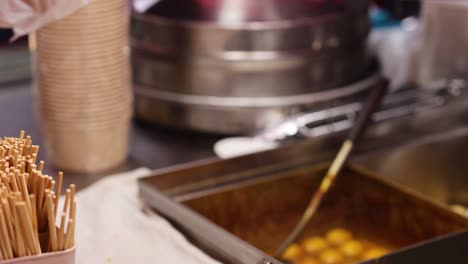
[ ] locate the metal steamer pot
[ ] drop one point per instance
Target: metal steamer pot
(244, 51)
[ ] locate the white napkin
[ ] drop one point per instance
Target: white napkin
(112, 228)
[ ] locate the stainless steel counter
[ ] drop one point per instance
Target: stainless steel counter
(435, 166)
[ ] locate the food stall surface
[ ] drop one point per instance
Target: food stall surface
(434, 153)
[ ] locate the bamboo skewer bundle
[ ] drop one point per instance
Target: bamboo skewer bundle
(29, 204)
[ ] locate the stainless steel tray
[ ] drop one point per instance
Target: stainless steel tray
(260, 205)
(168, 189)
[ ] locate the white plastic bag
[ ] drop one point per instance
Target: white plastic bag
(396, 50)
(25, 16)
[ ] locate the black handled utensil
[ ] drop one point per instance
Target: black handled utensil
(371, 104)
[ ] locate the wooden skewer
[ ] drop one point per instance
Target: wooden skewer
(41, 166)
(43, 213)
(11, 210)
(34, 156)
(26, 150)
(51, 221)
(67, 201)
(70, 230)
(40, 192)
(28, 141)
(20, 245)
(8, 254)
(34, 181)
(27, 228)
(23, 170)
(21, 135)
(72, 194)
(32, 199)
(15, 157)
(13, 182)
(51, 184)
(59, 189)
(73, 217)
(9, 190)
(20, 152)
(8, 218)
(8, 150)
(28, 243)
(35, 151)
(3, 247)
(24, 191)
(61, 233)
(33, 166)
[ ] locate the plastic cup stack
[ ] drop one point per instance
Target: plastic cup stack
(83, 91)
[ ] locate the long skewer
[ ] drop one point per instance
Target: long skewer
(372, 102)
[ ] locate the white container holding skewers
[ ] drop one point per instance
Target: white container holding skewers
(29, 208)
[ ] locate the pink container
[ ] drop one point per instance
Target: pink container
(59, 257)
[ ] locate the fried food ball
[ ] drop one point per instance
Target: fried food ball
(293, 252)
(459, 209)
(314, 244)
(338, 236)
(352, 248)
(374, 253)
(309, 260)
(331, 256)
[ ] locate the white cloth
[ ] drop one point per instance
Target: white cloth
(111, 227)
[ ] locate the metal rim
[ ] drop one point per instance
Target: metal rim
(244, 55)
(282, 101)
(287, 23)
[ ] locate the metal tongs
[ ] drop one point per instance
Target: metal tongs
(330, 120)
(371, 104)
(404, 102)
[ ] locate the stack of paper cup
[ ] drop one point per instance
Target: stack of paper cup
(83, 87)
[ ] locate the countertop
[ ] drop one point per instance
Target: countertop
(150, 146)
